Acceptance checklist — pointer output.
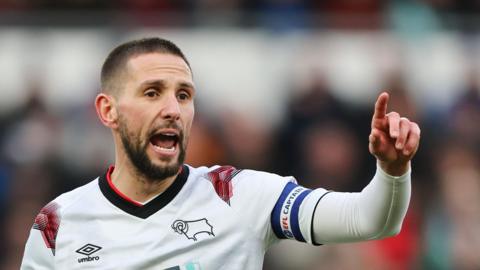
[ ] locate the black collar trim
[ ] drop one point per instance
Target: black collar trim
(150, 208)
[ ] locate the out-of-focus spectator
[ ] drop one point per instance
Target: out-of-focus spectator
(85, 147)
(7, 5)
(4, 185)
(248, 141)
(218, 12)
(399, 252)
(400, 99)
(29, 132)
(152, 5)
(464, 119)
(152, 12)
(330, 156)
(279, 14)
(18, 222)
(28, 145)
(30, 188)
(315, 104)
(352, 14)
(461, 7)
(302, 256)
(229, 6)
(72, 4)
(312, 113)
(206, 146)
(452, 238)
(412, 18)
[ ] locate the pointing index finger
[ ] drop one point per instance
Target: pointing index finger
(381, 106)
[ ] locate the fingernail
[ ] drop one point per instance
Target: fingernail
(399, 145)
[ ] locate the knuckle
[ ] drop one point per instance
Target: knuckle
(411, 143)
(415, 128)
(394, 115)
(404, 122)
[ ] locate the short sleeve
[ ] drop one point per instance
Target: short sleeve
(40, 247)
(252, 194)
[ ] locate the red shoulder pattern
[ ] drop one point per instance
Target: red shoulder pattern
(48, 222)
(221, 179)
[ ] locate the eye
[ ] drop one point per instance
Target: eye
(183, 95)
(151, 93)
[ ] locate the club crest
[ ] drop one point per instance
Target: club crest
(191, 228)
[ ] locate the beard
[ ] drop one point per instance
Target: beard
(136, 150)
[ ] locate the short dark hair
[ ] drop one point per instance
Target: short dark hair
(119, 56)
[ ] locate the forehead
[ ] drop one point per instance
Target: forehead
(154, 64)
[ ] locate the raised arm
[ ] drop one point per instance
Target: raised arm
(378, 210)
(393, 140)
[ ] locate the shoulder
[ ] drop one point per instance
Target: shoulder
(229, 182)
(48, 220)
(227, 173)
(62, 203)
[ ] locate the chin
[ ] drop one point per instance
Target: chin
(166, 162)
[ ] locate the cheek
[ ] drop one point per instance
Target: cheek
(188, 120)
(132, 117)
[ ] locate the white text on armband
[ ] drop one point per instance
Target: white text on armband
(285, 221)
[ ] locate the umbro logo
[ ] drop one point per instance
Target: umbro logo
(88, 250)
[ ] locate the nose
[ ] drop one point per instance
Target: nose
(171, 108)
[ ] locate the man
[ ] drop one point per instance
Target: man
(151, 211)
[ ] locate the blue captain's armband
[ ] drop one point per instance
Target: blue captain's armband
(285, 214)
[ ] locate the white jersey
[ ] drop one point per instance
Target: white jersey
(209, 218)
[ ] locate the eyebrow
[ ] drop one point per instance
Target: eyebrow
(162, 84)
(157, 83)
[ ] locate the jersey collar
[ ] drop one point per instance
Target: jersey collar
(133, 208)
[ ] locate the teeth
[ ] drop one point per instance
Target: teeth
(171, 149)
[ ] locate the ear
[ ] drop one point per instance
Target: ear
(106, 110)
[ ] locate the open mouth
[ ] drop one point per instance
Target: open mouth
(165, 141)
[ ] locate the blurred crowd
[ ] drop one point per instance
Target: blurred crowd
(279, 14)
(326, 144)
(331, 6)
(321, 140)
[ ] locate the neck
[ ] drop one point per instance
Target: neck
(136, 186)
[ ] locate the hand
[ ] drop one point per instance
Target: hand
(393, 140)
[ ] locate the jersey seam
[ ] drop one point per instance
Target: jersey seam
(390, 210)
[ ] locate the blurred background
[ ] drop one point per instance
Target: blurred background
(283, 85)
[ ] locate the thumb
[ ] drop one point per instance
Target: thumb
(378, 143)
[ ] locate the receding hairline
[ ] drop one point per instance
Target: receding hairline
(129, 60)
(117, 60)
(113, 83)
